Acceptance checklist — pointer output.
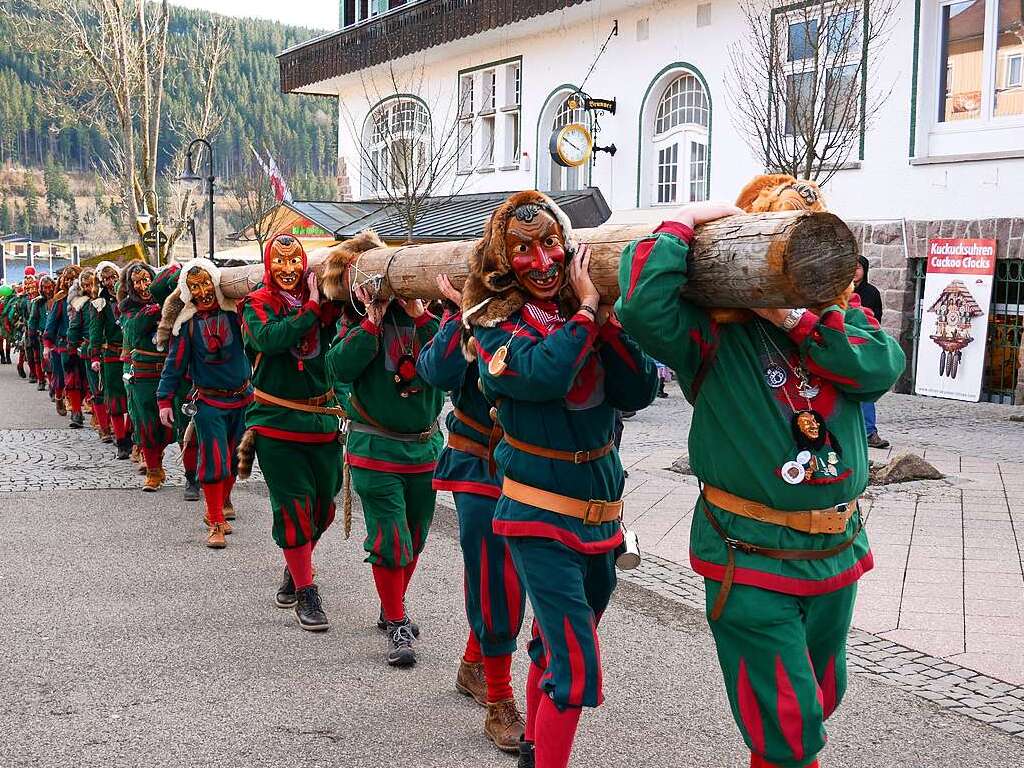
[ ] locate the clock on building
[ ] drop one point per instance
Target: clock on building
(571, 145)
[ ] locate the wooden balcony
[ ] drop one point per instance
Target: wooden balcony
(410, 29)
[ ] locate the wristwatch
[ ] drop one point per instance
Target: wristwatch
(792, 319)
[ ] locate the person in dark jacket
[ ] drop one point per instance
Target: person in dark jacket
(872, 299)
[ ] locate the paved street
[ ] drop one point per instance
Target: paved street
(127, 643)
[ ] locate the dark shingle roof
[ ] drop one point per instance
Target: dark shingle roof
(333, 215)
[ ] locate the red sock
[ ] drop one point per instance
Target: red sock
(554, 734)
(533, 696)
(756, 761)
(409, 570)
(102, 417)
(120, 429)
(300, 564)
(214, 493)
(154, 457)
(189, 459)
(229, 483)
(75, 397)
(472, 654)
(391, 589)
(498, 673)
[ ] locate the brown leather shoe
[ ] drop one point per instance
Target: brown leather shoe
(215, 539)
(62, 409)
(136, 456)
(154, 479)
(504, 725)
(228, 530)
(471, 682)
(229, 510)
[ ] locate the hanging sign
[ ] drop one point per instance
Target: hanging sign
(954, 318)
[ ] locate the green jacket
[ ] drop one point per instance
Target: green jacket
(743, 434)
(366, 360)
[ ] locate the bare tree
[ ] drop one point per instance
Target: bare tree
(409, 154)
(106, 63)
(261, 214)
(800, 82)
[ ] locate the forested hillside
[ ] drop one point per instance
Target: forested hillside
(299, 130)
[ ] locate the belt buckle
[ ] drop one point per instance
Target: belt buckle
(589, 518)
(580, 457)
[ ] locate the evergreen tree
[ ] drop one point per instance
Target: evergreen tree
(6, 218)
(31, 215)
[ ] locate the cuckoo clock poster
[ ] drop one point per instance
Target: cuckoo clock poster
(954, 318)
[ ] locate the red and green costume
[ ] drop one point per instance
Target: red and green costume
(781, 635)
(106, 348)
(70, 372)
(495, 599)
(82, 314)
(298, 451)
(393, 443)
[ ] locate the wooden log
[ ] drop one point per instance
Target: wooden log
(785, 259)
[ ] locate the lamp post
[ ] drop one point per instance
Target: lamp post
(192, 176)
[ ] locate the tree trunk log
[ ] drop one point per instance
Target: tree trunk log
(786, 259)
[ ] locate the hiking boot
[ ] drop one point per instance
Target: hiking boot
(62, 409)
(382, 624)
(229, 509)
(191, 492)
(123, 450)
(504, 725)
(77, 421)
(876, 441)
(154, 479)
(470, 681)
(285, 597)
(309, 611)
(215, 538)
(228, 530)
(526, 759)
(401, 637)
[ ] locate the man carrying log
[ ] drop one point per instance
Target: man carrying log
(777, 440)
(557, 365)
(80, 309)
(206, 348)
(36, 326)
(393, 444)
(106, 345)
(68, 386)
(495, 600)
(30, 286)
(294, 420)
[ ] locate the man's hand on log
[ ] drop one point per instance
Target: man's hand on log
(695, 214)
(444, 285)
(375, 307)
(413, 307)
(579, 278)
(314, 286)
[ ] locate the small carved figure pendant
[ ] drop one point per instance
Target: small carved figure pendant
(497, 364)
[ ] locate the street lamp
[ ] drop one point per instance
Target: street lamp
(191, 176)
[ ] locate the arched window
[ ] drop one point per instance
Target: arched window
(675, 127)
(396, 142)
(557, 114)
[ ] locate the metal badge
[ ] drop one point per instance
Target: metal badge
(793, 473)
(833, 458)
(803, 457)
(497, 364)
(190, 408)
(775, 375)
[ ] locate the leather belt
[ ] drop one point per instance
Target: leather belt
(830, 520)
(211, 392)
(402, 437)
(472, 423)
(593, 512)
(468, 445)
(309, 405)
(147, 353)
(572, 457)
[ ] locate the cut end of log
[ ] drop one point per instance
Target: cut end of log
(822, 245)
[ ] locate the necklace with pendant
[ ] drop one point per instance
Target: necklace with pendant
(405, 368)
(776, 376)
(498, 362)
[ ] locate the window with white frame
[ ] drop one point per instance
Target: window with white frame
(489, 113)
(678, 142)
(971, 76)
(396, 140)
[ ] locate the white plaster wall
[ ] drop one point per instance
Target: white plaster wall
(558, 48)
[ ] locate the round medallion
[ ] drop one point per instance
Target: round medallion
(792, 473)
(497, 364)
(775, 376)
(803, 457)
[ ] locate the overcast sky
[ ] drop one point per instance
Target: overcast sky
(319, 14)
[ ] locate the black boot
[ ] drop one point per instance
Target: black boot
(41, 384)
(191, 487)
(124, 449)
(285, 597)
(309, 611)
(401, 637)
(382, 624)
(525, 754)
(77, 421)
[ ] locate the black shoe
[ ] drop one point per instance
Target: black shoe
(40, 385)
(77, 421)
(21, 372)
(285, 597)
(191, 487)
(401, 637)
(124, 449)
(309, 611)
(876, 441)
(382, 624)
(31, 379)
(526, 759)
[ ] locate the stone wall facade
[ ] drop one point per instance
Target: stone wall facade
(889, 246)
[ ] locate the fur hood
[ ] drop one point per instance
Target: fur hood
(76, 298)
(185, 295)
(780, 192)
(334, 277)
(125, 294)
(492, 293)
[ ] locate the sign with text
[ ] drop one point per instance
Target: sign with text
(954, 318)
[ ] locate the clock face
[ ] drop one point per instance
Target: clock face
(571, 146)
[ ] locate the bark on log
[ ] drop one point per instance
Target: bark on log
(786, 259)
